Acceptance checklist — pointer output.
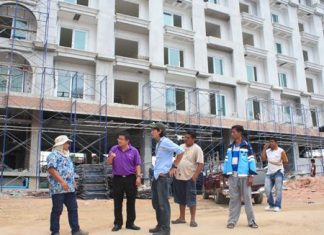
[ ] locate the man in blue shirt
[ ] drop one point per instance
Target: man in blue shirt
(164, 169)
(62, 186)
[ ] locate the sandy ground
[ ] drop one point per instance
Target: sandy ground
(303, 213)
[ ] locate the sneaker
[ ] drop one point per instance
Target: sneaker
(268, 208)
(276, 209)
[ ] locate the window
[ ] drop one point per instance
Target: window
(79, 2)
(213, 30)
(301, 27)
(305, 55)
(244, 8)
(126, 48)
(286, 114)
(17, 79)
(73, 38)
(173, 56)
(248, 39)
(251, 73)
(213, 1)
(126, 92)
(274, 18)
(127, 8)
(215, 66)
(314, 117)
(254, 110)
(279, 48)
(283, 80)
(310, 85)
(175, 99)
(172, 19)
(70, 85)
(7, 28)
(217, 105)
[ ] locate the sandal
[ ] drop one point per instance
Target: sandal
(193, 224)
(178, 221)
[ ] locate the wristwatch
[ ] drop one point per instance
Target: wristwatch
(174, 166)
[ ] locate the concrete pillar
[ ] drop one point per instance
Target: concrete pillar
(105, 68)
(146, 153)
(271, 73)
(241, 96)
(318, 30)
(156, 34)
(297, 50)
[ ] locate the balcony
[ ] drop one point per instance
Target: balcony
(176, 33)
(183, 4)
(141, 64)
(255, 53)
(313, 67)
(309, 39)
(251, 21)
(66, 53)
(260, 86)
(219, 11)
(286, 61)
(317, 97)
(220, 44)
(77, 12)
(319, 9)
(291, 92)
(180, 72)
(282, 31)
(131, 23)
(305, 10)
(279, 3)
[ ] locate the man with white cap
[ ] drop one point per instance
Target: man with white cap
(62, 186)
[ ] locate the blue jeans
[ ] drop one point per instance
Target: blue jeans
(160, 202)
(69, 200)
(274, 180)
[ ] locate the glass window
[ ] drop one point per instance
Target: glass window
(63, 84)
(286, 114)
(174, 57)
(251, 73)
(180, 99)
(170, 100)
(279, 48)
(5, 26)
(221, 109)
(17, 81)
(214, 1)
(282, 80)
(305, 55)
(254, 110)
(218, 66)
(66, 37)
(79, 40)
(168, 19)
(21, 27)
(77, 86)
(314, 118)
(310, 85)
(275, 18)
(3, 78)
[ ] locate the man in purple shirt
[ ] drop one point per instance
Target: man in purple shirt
(126, 164)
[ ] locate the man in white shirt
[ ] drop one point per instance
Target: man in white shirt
(276, 158)
(185, 178)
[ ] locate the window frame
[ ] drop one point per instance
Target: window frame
(70, 85)
(171, 14)
(73, 37)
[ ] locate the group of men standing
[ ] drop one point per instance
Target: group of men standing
(182, 164)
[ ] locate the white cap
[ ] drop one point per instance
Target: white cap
(60, 140)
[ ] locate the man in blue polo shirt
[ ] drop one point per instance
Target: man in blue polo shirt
(164, 169)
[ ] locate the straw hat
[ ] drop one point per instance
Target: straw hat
(60, 140)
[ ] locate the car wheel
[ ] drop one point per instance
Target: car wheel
(219, 198)
(258, 199)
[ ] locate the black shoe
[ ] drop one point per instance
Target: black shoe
(253, 225)
(162, 233)
(116, 228)
(155, 230)
(231, 226)
(133, 227)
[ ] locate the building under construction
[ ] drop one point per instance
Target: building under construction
(91, 68)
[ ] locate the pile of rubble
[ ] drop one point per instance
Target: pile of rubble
(144, 192)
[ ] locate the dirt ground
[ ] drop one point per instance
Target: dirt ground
(303, 213)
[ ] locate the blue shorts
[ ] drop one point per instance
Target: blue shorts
(185, 192)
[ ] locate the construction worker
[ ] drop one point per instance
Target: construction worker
(186, 176)
(126, 165)
(164, 169)
(62, 186)
(276, 158)
(240, 166)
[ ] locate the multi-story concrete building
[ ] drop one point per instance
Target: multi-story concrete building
(91, 67)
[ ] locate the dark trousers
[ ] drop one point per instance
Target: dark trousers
(122, 185)
(69, 200)
(160, 202)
